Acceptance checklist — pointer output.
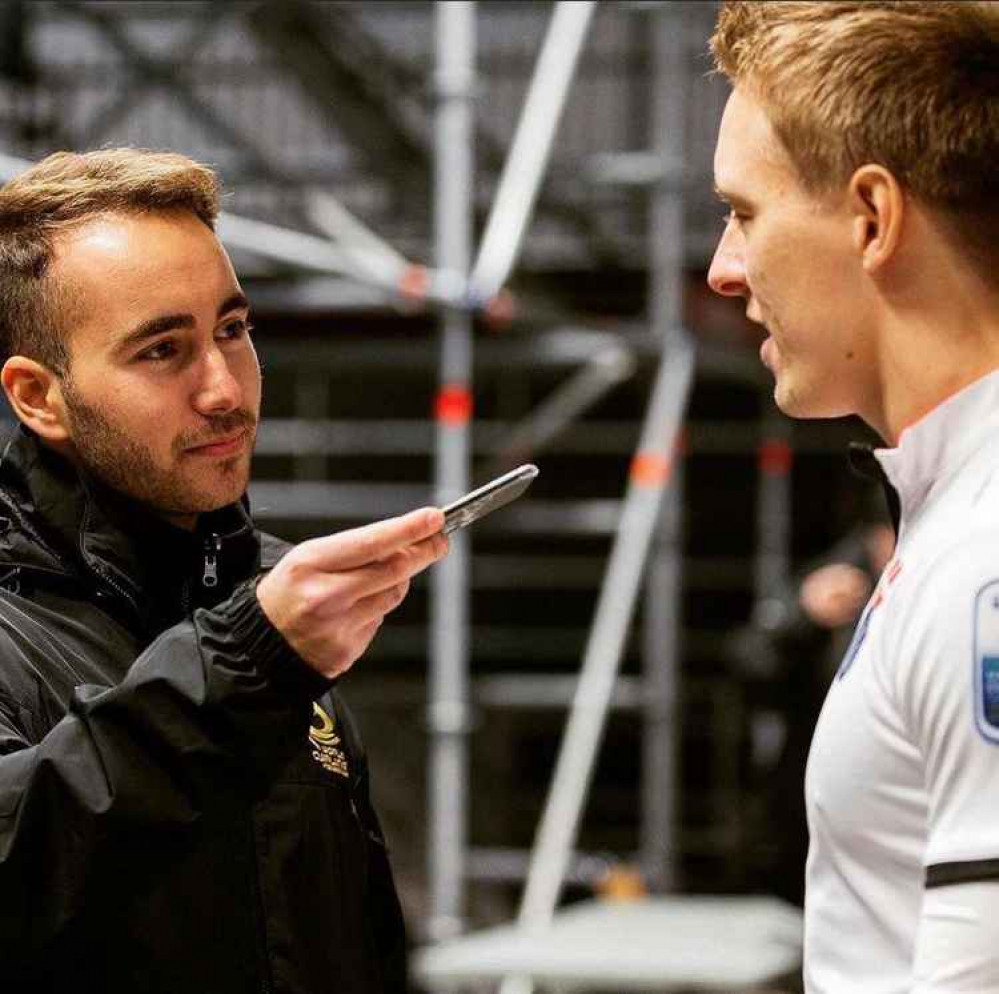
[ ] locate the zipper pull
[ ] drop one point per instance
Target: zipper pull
(210, 578)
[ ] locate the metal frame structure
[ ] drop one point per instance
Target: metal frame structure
(650, 519)
(650, 481)
(663, 617)
(501, 243)
(532, 144)
(155, 70)
(448, 682)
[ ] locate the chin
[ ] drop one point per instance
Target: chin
(231, 497)
(808, 405)
(791, 399)
(215, 498)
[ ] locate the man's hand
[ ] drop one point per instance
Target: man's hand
(328, 596)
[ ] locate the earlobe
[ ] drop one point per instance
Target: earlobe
(878, 205)
(35, 395)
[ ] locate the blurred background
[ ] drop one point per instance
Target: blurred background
(391, 381)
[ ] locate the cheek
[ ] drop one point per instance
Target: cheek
(791, 287)
(144, 418)
(246, 370)
(256, 387)
(766, 263)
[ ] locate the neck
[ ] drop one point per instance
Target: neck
(924, 364)
(935, 336)
(189, 522)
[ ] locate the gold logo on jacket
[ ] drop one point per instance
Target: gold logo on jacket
(324, 740)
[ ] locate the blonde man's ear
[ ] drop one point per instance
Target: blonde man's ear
(878, 203)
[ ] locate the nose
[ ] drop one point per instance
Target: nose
(727, 275)
(218, 390)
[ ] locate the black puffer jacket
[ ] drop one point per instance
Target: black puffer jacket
(176, 815)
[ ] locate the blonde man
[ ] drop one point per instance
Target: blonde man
(184, 805)
(857, 154)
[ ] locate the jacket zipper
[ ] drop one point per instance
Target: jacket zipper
(103, 573)
(115, 586)
(213, 545)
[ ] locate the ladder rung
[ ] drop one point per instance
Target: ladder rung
(499, 864)
(528, 690)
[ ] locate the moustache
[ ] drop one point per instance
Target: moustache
(218, 428)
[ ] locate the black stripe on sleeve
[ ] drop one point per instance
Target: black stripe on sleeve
(969, 872)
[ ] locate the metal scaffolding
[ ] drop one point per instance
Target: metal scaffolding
(650, 522)
(663, 616)
(448, 683)
(647, 523)
(501, 244)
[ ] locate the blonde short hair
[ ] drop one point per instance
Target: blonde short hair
(63, 191)
(912, 86)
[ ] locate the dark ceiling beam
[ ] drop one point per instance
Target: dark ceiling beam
(205, 20)
(156, 71)
(383, 107)
(362, 93)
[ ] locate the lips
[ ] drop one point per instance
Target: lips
(227, 446)
(768, 353)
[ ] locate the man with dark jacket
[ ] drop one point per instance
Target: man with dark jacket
(184, 804)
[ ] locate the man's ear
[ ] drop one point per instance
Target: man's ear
(35, 394)
(878, 205)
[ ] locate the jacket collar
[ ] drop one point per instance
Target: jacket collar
(67, 522)
(934, 449)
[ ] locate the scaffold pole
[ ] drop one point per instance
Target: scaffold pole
(528, 158)
(449, 615)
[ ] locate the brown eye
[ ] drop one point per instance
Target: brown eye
(234, 330)
(159, 352)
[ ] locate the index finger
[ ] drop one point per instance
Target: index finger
(372, 543)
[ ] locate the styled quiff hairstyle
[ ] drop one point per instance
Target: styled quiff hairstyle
(62, 192)
(912, 86)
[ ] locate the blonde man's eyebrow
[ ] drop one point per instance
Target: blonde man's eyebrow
(731, 199)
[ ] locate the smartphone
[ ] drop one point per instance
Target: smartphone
(487, 499)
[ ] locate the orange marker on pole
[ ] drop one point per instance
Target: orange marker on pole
(775, 457)
(454, 404)
(649, 469)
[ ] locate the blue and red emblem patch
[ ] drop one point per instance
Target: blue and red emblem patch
(986, 661)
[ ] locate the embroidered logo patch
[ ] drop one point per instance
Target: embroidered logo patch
(986, 648)
(325, 743)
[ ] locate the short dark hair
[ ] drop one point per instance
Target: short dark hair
(61, 192)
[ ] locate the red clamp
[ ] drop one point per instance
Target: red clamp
(454, 404)
(775, 457)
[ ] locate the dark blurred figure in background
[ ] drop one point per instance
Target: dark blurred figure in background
(788, 657)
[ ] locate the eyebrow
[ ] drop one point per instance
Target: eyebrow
(730, 198)
(170, 322)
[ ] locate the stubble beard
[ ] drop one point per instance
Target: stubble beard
(122, 463)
